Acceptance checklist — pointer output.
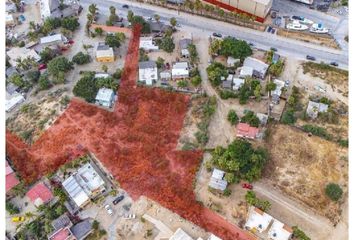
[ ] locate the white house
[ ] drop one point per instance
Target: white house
(147, 44)
(259, 68)
(237, 83)
(217, 180)
(183, 45)
(277, 92)
(148, 72)
(257, 220)
(105, 97)
(9, 20)
(21, 53)
(56, 39)
(12, 100)
(232, 61)
(279, 231)
(314, 108)
(180, 70)
(180, 235)
(246, 72)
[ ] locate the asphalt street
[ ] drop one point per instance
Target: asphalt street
(199, 25)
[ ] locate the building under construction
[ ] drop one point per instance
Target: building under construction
(256, 8)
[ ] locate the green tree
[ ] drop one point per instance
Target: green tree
(157, 17)
(173, 22)
(130, 16)
(141, 21)
(251, 119)
(11, 208)
(99, 31)
(58, 66)
(104, 68)
(238, 49)
(86, 88)
(193, 54)
(299, 234)
(196, 80)
(252, 199)
(215, 71)
(108, 82)
(117, 74)
(288, 117)
(167, 44)
(334, 191)
(50, 24)
(113, 40)
(43, 82)
(271, 86)
(70, 23)
(160, 62)
(80, 58)
(258, 92)
(182, 83)
(215, 47)
(32, 76)
(93, 9)
(232, 117)
(17, 80)
(47, 54)
(276, 68)
(230, 177)
(112, 10)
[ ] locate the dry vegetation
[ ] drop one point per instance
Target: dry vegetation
(31, 119)
(337, 78)
(323, 40)
(302, 166)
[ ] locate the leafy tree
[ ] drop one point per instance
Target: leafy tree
(17, 80)
(196, 80)
(70, 23)
(252, 199)
(80, 58)
(32, 76)
(26, 64)
(299, 234)
(117, 74)
(93, 9)
(157, 17)
(251, 119)
(232, 117)
(130, 16)
(99, 31)
(50, 24)
(288, 117)
(141, 21)
(227, 192)
(113, 40)
(238, 49)
(258, 92)
(167, 44)
(104, 68)
(215, 47)
(43, 82)
(230, 177)
(271, 86)
(193, 54)
(142, 55)
(160, 62)
(182, 83)
(108, 82)
(173, 22)
(112, 10)
(215, 72)
(241, 159)
(47, 54)
(58, 66)
(276, 68)
(86, 88)
(11, 208)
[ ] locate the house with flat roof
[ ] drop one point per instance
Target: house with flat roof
(82, 229)
(257, 221)
(278, 90)
(148, 44)
(84, 184)
(62, 234)
(244, 130)
(148, 72)
(259, 68)
(279, 231)
(51, 8)
(11, 180)
(183, 46)
(180, 70)
(232, 61)
(314, 108)
(213, 237)
(227, 84)
(40, 194)
(237, 83)
(56, 39)
(12, 100)
(105, 97)
(180, 235)
(104, 53)
(246, 71)
(263, 118)
(217, 180)
(21, 53)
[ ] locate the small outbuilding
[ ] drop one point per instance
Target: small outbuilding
(180, 70)
(104, 53)
(148, 72)
(40, 194)
(105, 97)
(217, 180)
(314, 108)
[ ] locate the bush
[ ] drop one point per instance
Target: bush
(80, 58)
(117, 74)
(182, 83)
(43, 82)
(252, 199)
(343, 142)
(86, 88)
(59, 66)
(317, 131)
(17, 80)
(33, 76)
(230, 177)
(299, 234)
(288, 118)
(11, 208)
(226, 94)
(160, 62)
(196, 80)
(70, 23)
(227, 192)
(334, 191)
(47, 54)
(251, 119)
(232, 117)
(167, 44)
(215, 72)
(114, 40)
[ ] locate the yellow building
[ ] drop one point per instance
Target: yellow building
(104, 53)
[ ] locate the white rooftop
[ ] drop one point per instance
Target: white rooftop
(258, 220)
(213, 237)
(53, 38)
(15, 53)
(280, 84)
(218, 174)
(231, 61)
(104, 94)
(13, 100)
(180, 65)
(246, 71)
(75, 191)
(147, 43)
(238, 82)
(180, 235)
(279, 231)
(89, 177)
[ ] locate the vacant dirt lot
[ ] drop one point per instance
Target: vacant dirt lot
(32, 119)
(301, 166)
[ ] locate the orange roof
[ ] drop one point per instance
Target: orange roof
(245, 130)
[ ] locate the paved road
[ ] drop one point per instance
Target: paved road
(199, 25)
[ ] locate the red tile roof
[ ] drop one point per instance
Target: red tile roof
(245, 130)
(40, 192)
(11, 179)
(62, 234)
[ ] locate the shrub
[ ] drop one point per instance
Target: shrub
(334, 191)
(226, 94)
(317, 131)
(43, 82)
(343, 142)
(251, 119)
(252, 199)
(288, 118)
(86, 88)
(196, 80)
(70, 23)
(299, 234)
(80, 58)
(230, 177)
(182, 83)
(215, 72)
(232, 117)
(11, 208)
(227, 192)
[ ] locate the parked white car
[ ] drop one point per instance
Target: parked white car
(129, 216)
(109, 209)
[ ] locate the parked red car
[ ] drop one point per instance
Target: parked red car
(71, 42)
(247, 185)
(42, 67)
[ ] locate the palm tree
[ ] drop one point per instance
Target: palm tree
(173, 22)
(93, 9)
(112, 10)
(30, 215)
(157, 17)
